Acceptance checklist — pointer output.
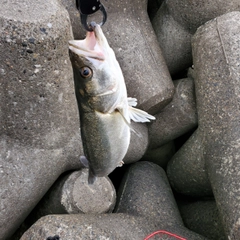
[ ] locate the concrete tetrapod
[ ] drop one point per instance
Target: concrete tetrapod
(39, 136)
(216, 54)
(177, 118)
(71, 194)
(176, 22)
(202, 216)
(145, 204)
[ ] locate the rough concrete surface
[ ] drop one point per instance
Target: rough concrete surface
(202, 216)
(177, 118)
(215, 144)
(174, 40)
(38, 113)
(71, 193)
(176, 22)
(161, 155)
(140, 210)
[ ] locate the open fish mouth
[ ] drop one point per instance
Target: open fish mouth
(90, 47)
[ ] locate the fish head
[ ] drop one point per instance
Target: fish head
(97, 75)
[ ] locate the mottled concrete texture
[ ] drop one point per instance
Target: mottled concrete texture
(183, 18)
(176, 43)
(130, 34)
(71, 193)
(177, 118)
(215, 145)
(38, 113)
(161, 155)
(140, 210)
(78, 31)
(202, 217)
(186, 170)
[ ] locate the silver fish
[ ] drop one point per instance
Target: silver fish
(104, 108)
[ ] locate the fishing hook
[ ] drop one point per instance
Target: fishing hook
(88, 7)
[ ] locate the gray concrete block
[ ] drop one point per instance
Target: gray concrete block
(176, 21)
(38, 112)
(218, 71)
(202, 217)
(174, 40)
(130, 34)
(216, 56)
(144, 68)
(78, 31)
(186, 170)
(193, 15)
(145, 204)
(160, 156)
(177, 118)
(72, 194)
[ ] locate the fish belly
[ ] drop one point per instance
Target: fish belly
(106, 138)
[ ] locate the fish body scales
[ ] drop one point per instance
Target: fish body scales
(106, 139)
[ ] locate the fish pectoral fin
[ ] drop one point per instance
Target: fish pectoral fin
(138, 115)
(132, 102)
(84, 161)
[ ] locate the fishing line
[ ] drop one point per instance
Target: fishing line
(164, 232)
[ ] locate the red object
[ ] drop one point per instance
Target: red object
(164, 232)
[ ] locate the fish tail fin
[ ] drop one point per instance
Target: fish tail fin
(138, 115)
(91, 177)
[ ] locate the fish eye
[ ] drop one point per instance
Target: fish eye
(86, 72)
